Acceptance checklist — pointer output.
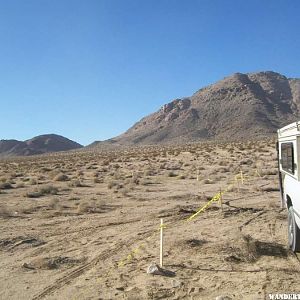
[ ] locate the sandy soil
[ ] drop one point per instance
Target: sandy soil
(86, 225)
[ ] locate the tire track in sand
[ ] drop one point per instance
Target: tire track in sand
(68, 278)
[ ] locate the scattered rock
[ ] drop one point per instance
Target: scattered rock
(154, 269)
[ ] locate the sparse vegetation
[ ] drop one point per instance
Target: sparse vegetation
(127, 191)
(61, 177)
(5, 186)
(42, 191)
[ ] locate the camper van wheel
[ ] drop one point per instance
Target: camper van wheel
(293, 231)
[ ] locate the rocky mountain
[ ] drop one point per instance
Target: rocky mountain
(37, 145)
(249, 105)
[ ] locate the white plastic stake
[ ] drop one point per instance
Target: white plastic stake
(161, 243)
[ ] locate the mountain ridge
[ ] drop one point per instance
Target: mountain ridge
(41, 144)
(251, 105)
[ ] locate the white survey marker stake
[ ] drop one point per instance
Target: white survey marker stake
(161, 242)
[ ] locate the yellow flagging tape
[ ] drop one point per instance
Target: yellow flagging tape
(217, 197)
(242, 177)
(134, 251)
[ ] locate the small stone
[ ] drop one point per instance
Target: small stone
(154, 269)
(157, 270)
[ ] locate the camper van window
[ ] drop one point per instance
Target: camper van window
(287, 157)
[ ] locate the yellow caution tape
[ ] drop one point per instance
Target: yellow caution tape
(217, 197)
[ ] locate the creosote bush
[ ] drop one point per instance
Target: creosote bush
(5, 186)
(208, 181)
(76, 183)
(61, 177)
(42, 191)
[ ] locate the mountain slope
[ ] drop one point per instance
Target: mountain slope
(241, 105)
(37, 145)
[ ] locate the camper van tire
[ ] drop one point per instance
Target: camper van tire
(293, 231)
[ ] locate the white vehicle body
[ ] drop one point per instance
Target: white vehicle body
(289, 163)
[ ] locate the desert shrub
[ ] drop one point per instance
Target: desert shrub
(54, 203)
(270, 171)
(33, 194)
(145, 181)
(3, 179)
(270, 188)
(116, 175)
(246, 161)
(45, 190)
(125, 191)
(114, 184)
(33, 181)
(76, 183)
(149, 172)
(224, 170)
(98, 180)
(49, 190)
(80, 173)
(242, 248)
(74, 198)
(82, 207)
(208, 181)
(45, 169)
(223, 163)
(96, 174)
(85, 207)
(171, 174)
(61, 177)
(5, 186)
(132, 180)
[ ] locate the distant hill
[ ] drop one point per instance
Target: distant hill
(250, 105)
(37, 145)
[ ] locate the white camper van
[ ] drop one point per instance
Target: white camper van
(288, 150)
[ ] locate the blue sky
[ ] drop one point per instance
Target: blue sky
(90, 69)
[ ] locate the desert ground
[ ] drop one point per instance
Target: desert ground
(86, 224)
